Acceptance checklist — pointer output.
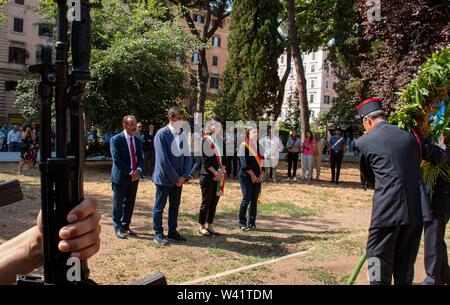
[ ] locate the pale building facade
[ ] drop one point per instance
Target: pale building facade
(21, 37)
(320, 80)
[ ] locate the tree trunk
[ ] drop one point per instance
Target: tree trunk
(300, 71)
(280, 97)
(202, 84)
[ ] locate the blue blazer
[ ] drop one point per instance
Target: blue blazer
(120, 172)
(168, 167)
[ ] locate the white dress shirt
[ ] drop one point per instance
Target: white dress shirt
(128, 137)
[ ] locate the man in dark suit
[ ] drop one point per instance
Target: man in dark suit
(435, 249)
(126, 152)
(172, 165)
(390, 162)
(148, 147)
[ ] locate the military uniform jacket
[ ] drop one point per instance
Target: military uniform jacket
(390, 163)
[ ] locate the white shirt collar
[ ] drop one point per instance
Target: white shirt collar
(173, 130)
(127, 136)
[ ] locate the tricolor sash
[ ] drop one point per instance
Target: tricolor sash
(217, 149)
(258, 157)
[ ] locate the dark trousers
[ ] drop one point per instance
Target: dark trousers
(436, 255)
(232, 166)
(336, 162)
(292, 160)
(392, 251)
(149, 163)
(174, 195)
(209, 200)
(124, 199)
(250, 194)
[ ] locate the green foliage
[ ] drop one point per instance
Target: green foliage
(134, 76)
(292, 119)
(136, 63)
(418, 105)
(27, 100)
(250, 82)
(419, 98)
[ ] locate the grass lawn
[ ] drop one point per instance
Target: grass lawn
(328, 221)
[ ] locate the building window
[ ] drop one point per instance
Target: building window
(312, 83)
(195, 58)
(303, 57)
(17, 55)
(38, 53)
(282, 59)
(18, 25)
(311, 98)
(215, 61)
(214, 81)
(313, 68)
(313, 56)
(327, 68)
(199, 18)
(21, 2)
(311, 114)
(216, 41)
(45, 29)
(10, 85)
(290, 85)
(326, 84)
(326, 99)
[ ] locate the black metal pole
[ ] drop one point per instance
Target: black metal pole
(61, 47)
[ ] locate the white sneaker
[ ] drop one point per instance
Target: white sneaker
(295, 178)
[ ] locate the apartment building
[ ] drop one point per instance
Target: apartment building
(21, 37)
(217, 52)
(320, 80)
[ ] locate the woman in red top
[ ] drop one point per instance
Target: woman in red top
(307, 155)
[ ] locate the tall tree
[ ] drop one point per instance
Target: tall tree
(309, 28)
(299, 69)
(216, 11)
(408, 32)
(250, 83)
(346, 53)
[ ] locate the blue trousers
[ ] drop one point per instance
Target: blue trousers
(250, 194)
(174, 195)
(124, 199)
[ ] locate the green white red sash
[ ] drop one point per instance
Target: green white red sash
(258, 157)
(217, 152)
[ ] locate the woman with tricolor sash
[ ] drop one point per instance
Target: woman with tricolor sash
(250, 177)
(212, 176)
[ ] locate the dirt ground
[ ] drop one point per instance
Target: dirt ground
(328, 221)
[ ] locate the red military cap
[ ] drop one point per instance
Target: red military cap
(368, 106)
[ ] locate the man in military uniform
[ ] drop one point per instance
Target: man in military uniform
(390, 161)
(435, 249)
(337, 151)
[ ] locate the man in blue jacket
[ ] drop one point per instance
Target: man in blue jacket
(126, 153)
(172, 165)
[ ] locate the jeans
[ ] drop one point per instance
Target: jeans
(124, 199)
(307, 162)
(174, 195)
(292, 160)
(250, 194)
